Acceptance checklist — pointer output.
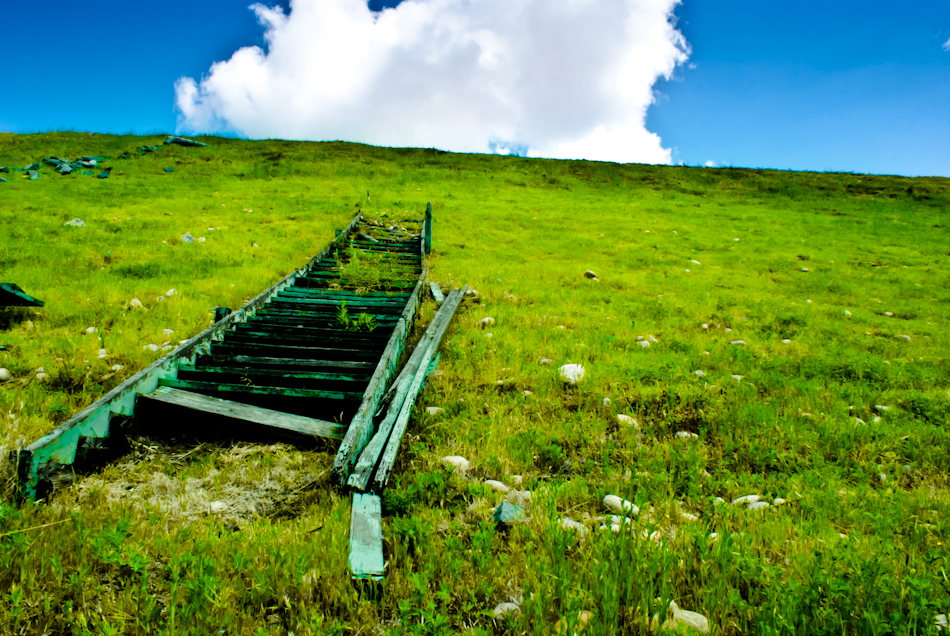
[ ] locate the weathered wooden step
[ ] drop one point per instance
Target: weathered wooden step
(298, 424)
(215, 387)
(298, 340)
(287, 330)
(355, 302)
(286, 363)
(366, 538)
(253, 373)
(289, 351)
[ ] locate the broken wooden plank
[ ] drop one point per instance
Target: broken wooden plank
(366, 538)
(305, 426)
(12, 296)
(402, 391)
(436, 292)
(388, 457)
(281, 391)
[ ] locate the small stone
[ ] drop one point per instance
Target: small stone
(497, 486)
(435, 411)
(151, 347)
(91, 330)
(571, 374)
(728, 329)
(652, 339)
(695, 262)
(520, 498)
(644, 343)
(759, 505)
(804, 269)
(167, 332)
(485, 322)
(718, 501)
(218, 506)
(705, 325)
(103, 354)
(876, 419)
(200, 239)
(737, 378)
(135, 303)
(570, 524)
(881, 407)
(590, 274)
(117, 367)
(503, 609)
(859, 421)
(942, 624)
(699, 374)
(888, 314)
(737, 342)
(693, 620)
(686, 435)
(847, 313)
(545, 361)
(459, 462)
(787, 341)
(508, 513)
(41, 375)
(171, 292)
(745, 500)
(187, 238)
(620, 506)
(5, 375)
(627, 420)
(778, 501)
(606, 401)
(77, 222)
(904, 337)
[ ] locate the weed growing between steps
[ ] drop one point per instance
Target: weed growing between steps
(846, 421)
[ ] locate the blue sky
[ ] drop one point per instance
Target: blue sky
(845, 86)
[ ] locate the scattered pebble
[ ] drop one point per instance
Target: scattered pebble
(200, 239)
(888, 314)
(571, 373)
(686, 435)
(626, 419)
(458, 461)
(606, 401)
(737, 378)
(705, 325)
(151, 347)
(117, 367)
(759, 505)
(745, 500)
(718, 501)
(487, 321)
(728, 329)
(904, 337)
(171, 292)
(699, 374)
(737, 342)
(135, 303)
(847, 313)
(503, 609)
(570, 524)
(508, 513)
(620, 506)
(5, 375)
(167, 332)
(652, 339)
(103, 354)
(497, 486)
(695, 262)
(787, 341)
(804, 269)
(644, 343)
(187, 238)
(778, 501)
(590, 274)
(435, 410)
(77, 222)
(881, 407)
(91, 330)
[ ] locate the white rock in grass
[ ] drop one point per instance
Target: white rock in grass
(652, 339)
(904, 337)
(77, 222)
(91, 330)
(545, 361)
(644, 343)
(506, 609)
(497, 486)
(787, 341)
(888, 314)
(103, 354)
(571, 374)
(804, 269)
(570, 524)
(728, 329)
(606, 401)
(847, 313)
(620, 506)
(699, 374)
(218, 506)
(778, 501)
(718, 501)
(629, 421)
(435, 411)
(486, 322)
(40, 374)
(881, 407)
(745, 500)
(695, 262)
(943, 626)
(167, 332)
(705, 325)
(590, 274)
(135, 303)
(692, 620)
(200, 239)
(187, 238)
(458, 461)
(117, 367)
(151, 347)
(759, 505)
(686, 435)
(5, 375)
(737, 378)
(171, 292)
(737, 342)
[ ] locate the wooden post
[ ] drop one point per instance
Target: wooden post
(427, 233)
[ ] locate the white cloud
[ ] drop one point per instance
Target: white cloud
(710, 164)
(558, 78)
(946, 45)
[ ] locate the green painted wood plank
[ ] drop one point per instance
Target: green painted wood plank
(324, 353)
(251, 372)
(288, 362)
(12, 296)
(216, 387)
(305, 426)
(366, 538)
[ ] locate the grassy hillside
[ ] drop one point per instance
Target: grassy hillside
(796, 326)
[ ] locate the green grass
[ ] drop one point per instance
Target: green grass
(252, 538)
